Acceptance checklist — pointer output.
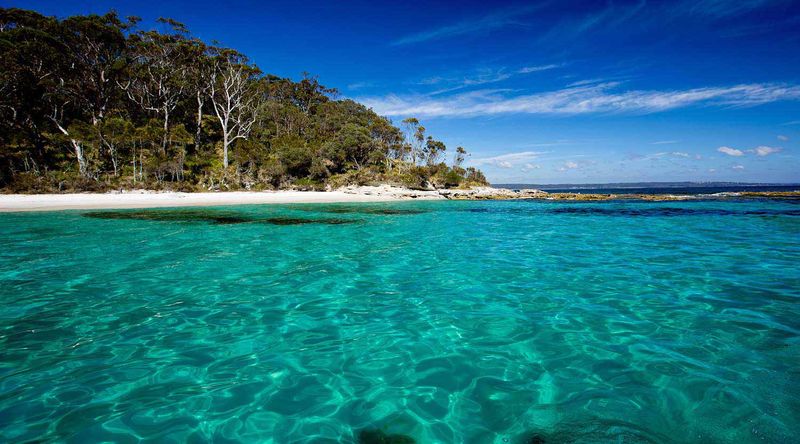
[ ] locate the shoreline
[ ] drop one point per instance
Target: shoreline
(13, 203)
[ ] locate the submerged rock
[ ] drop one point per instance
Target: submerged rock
(536, 439)
(375, 436)
(299, 221)
(367, 210)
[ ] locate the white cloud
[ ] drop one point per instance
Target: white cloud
(730, 151)
(599, 98)
(680, 154)
(783, 138)
(508, 160)
(664, 142)
(738, 167)
(765, 150)
(530, 69)
(530, 166)
(712, 170)
(570, 164)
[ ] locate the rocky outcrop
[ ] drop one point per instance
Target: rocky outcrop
(392, 192)
(489, 193)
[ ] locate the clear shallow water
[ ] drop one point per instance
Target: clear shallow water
(444, 321)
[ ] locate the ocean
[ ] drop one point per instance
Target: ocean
(451, 322)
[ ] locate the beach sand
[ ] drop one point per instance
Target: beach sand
(85, 201)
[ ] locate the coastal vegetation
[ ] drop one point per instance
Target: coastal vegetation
(96, 102)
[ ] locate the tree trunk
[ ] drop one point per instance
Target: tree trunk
(133, 160)
(79, 154)
(225, 149)
(199, 120)
(76, 146)
(114, 160)
(166, 132)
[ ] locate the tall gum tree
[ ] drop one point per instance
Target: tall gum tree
(97, 45)
(235, 98)
(160, 73)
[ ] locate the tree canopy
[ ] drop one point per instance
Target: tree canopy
(95, 102)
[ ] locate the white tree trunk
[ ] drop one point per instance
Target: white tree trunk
(225, 144)
(76, 145)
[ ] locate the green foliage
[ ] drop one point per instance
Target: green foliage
(93, 103)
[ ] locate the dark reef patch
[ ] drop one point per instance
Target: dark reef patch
(172, 216)
(300, 221)
(374, 436)
(210, 217)
(536, 439)
(363, 210)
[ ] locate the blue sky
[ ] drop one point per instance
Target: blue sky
(542, 92)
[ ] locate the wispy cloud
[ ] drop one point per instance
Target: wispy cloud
(497, 20)
(454, 83)
(665, 142)
(360, 85)
(664, 155)
(530, 69)
(738, 167)
(610, 16)
(730, 151)
(783, 138)
(579, 100)
(478, 77)
(723, 8)
(509, 160)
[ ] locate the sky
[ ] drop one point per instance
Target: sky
(540, 92)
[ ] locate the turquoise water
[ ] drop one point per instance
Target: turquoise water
(473, 322)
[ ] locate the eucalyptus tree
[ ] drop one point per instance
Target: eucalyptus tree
(460, 157)
(124, 100)
(233, 89)
(200, 72)
(97, 51)
(159, 72)
(308, 93)
(33, 71)
(433, 150)
(410, 127)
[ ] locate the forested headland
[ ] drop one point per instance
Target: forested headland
(96, 103)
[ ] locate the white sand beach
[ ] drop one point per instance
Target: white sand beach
(156, 199)
(84, 201)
